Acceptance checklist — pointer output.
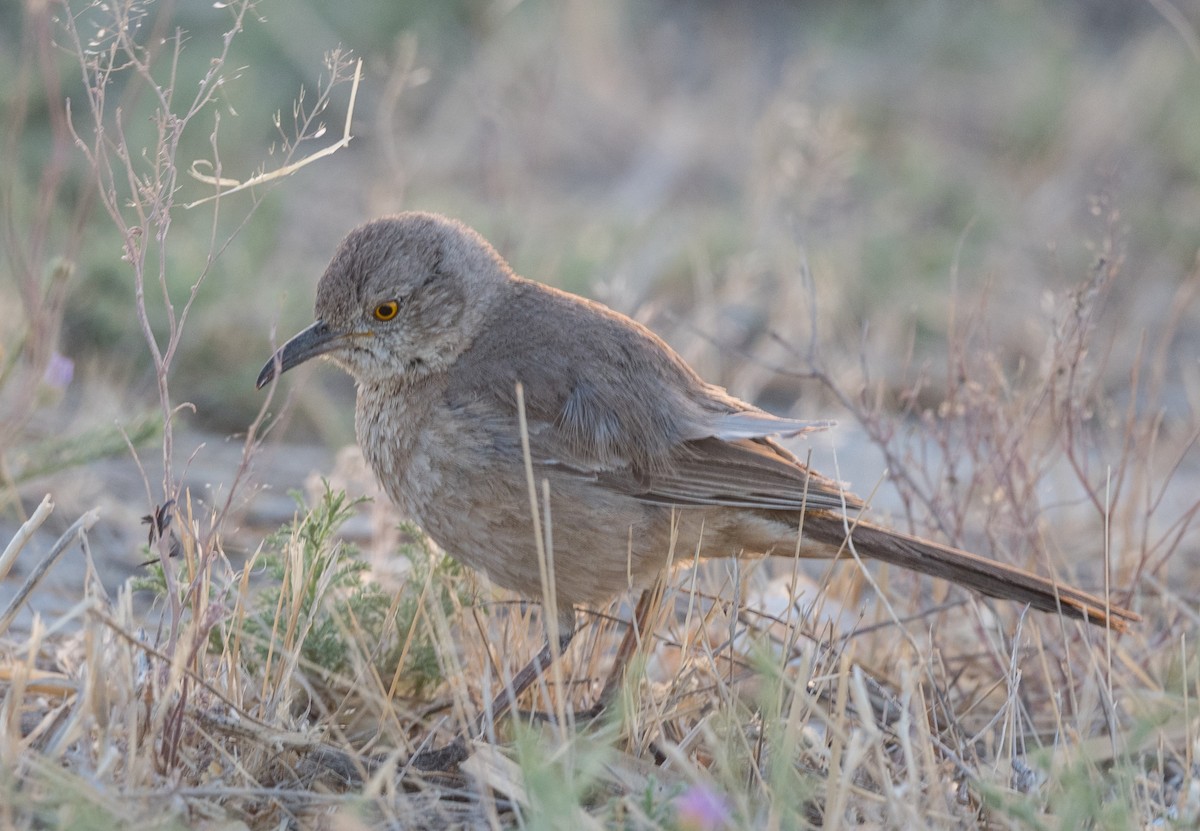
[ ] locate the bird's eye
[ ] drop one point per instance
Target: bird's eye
(386, 311)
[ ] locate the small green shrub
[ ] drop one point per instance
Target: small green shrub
(342, 606)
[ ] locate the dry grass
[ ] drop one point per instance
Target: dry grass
(769, 696)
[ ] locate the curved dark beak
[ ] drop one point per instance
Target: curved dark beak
(309, 343)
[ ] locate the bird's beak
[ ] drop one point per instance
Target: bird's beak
(309, 343)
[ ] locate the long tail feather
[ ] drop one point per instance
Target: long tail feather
(984, 576)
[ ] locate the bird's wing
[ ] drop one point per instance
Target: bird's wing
(605, 399)
(731, 459)
(744, 422)
(746, 473)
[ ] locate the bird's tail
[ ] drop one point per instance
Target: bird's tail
(985, 576)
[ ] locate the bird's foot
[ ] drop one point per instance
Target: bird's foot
(441, 759)
(586, 716)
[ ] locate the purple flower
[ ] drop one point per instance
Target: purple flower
(59, 371)
(702, 809)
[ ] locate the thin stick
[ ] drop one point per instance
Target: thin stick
(549, 598)
(286, 170)
(75, 532)
(23, 534)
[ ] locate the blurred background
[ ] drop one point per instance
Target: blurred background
(760, 182)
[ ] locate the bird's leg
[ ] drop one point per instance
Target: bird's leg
(525, 678)
(457, 751)
(634, 635)
(647, 607)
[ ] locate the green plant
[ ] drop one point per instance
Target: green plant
(321, 602)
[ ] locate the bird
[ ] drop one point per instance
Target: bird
(474, 384)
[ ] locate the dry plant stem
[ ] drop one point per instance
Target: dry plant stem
(151, 198)
(451, 755)
(525, 678)
(152, 194)
(287, 170)
(635, 635)
(23, 534)
(138, 189)
(72, 534)
(116, 627)
(637, 631)
(999, 438)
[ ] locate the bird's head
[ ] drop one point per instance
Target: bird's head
(402, 297)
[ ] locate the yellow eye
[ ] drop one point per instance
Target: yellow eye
(386, 311)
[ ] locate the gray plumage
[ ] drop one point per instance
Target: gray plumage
(643, 458)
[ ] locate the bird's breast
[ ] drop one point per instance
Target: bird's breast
(394, 425)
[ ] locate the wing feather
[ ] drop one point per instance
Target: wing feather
(741, 474)
(606, 399)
